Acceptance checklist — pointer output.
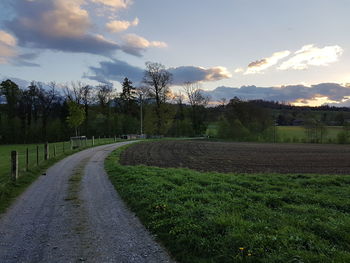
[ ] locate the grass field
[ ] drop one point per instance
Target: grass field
(10, 190)
(297, 134)
(213, 217)
(290, 133)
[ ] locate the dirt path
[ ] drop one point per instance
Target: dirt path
(73, 214)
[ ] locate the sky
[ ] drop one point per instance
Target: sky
(296, 51)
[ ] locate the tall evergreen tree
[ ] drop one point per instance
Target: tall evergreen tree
(128, 96)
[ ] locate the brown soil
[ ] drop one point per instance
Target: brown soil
(241, 157)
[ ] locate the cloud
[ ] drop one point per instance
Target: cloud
(260, 65)
(198, 74)
(117, 26)
(25, 60)
(59, 25)
(114, 4)
(321, 93)
(66, 25)
(7, 47)
(310, 55)
(117, 70)
(7, 39)
(136, 45)
(9, 53)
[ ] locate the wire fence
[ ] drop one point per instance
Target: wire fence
(33, 155)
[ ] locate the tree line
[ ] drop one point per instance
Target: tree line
(52, 112)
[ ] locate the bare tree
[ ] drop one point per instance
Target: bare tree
(223, 101)
(197, 100)
(73, 92)
(157, 80)
(104, 95)
(194, 94)
(46, 98)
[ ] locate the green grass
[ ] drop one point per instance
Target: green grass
(213, 217)
(10, 190)
(290, 133)
(297, 134)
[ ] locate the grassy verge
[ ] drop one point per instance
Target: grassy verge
(212, 217)
(10, 190)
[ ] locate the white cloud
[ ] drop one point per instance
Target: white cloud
(134, 44)
(239, 70)
(116, 26)
(114, 4)
(9, 53)
(140, 42)
(7, 47)
(263, 64)
(7, 39)
(67, 19)
(310, 55)
(217, 73)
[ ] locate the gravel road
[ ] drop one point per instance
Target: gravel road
(63, 219)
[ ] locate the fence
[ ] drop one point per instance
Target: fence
(17, 159)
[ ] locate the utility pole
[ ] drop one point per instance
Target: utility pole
(141, 114)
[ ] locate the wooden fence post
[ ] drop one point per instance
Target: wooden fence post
(63, 147)
(54, 150)
(93, 140)
(14, 165)
(37, 155)
(71, 144)
(27, 160)
(46, 152)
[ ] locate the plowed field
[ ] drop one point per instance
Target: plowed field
(241, 157)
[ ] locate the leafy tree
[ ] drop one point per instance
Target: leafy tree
(232, 130)
(12, 93)
(76, 115)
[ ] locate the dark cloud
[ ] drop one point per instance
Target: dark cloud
(25, 60)
(196, 74)
(333, 91)
(117, 70)
(257, 63)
